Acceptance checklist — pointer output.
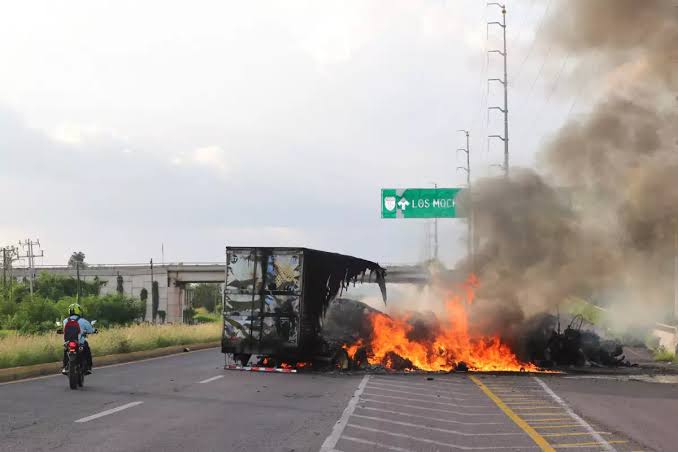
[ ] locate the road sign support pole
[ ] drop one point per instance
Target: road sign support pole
(469, 220)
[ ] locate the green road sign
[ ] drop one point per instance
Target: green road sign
(419, 202)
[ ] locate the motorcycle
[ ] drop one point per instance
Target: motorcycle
(77, 364)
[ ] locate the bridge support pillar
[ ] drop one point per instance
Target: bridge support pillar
(175, 302)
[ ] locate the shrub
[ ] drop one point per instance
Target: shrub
(35, 316)
(155, 299)
(189, 313)
(143, 296)
(202, 316)
(56, 287)
(112, 309)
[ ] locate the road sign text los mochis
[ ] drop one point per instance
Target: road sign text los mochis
(419, 202)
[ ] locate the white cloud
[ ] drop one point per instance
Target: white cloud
(74, 134)
(211, 156)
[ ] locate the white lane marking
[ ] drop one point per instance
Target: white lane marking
(375, 445)
(331, 441)
(404, 405)
(432, 385)
(369, 394)
(107, 412)
(430, 441)
(420, 394)
(211, 379)
(409, 387)
(603, 443)
(435, 429)
(429, 418)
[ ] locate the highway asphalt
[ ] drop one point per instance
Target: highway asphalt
(238, 412)
(189, 402)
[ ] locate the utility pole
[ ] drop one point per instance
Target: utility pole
(435, 230)
(504, 82)
(467, 169)
(77, 273)
(28, 245)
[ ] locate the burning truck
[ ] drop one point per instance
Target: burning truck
(275, 300)
(281, 306)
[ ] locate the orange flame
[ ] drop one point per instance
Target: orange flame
(351, 350)
(448, 348)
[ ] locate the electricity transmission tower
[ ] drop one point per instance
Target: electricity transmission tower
(30, 255)
(504, 82)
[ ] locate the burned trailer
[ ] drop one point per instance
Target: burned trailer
(275, 300)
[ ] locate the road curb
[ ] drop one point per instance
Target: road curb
(38, 370)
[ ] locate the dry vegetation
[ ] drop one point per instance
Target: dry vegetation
(23, 350)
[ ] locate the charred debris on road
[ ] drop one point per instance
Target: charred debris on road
(543, 343)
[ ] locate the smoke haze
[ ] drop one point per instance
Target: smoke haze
(599, 218)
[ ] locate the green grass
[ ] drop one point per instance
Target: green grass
(203, 316)
(591, 313)
(23, 350)
(661, 354)
(5, 333)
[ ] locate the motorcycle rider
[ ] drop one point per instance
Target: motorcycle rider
(75, 313)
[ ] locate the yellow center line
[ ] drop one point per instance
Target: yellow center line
(557, 426)
(532, 433)
(574, 434)
(525, 403)
(550, 420)
(589, 444)
(534, 407)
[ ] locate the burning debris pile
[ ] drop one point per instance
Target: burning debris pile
(424, 341)
(415, 341)
(548, 346)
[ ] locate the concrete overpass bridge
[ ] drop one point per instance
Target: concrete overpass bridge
(173, 278)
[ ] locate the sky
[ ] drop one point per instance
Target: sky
(126, 127)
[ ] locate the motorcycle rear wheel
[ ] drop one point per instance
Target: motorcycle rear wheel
(73, 376)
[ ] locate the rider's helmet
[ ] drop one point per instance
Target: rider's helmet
(75, 309)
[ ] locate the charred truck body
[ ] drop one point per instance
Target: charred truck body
(275, 300)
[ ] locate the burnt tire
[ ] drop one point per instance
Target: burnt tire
(359, 360)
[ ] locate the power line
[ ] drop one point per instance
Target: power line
(519, 31)
(553, 89)
(534, 40)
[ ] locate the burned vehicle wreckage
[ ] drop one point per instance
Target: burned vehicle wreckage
(283, 306)
(275, 300)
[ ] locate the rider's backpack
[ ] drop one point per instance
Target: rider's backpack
(71, 330)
